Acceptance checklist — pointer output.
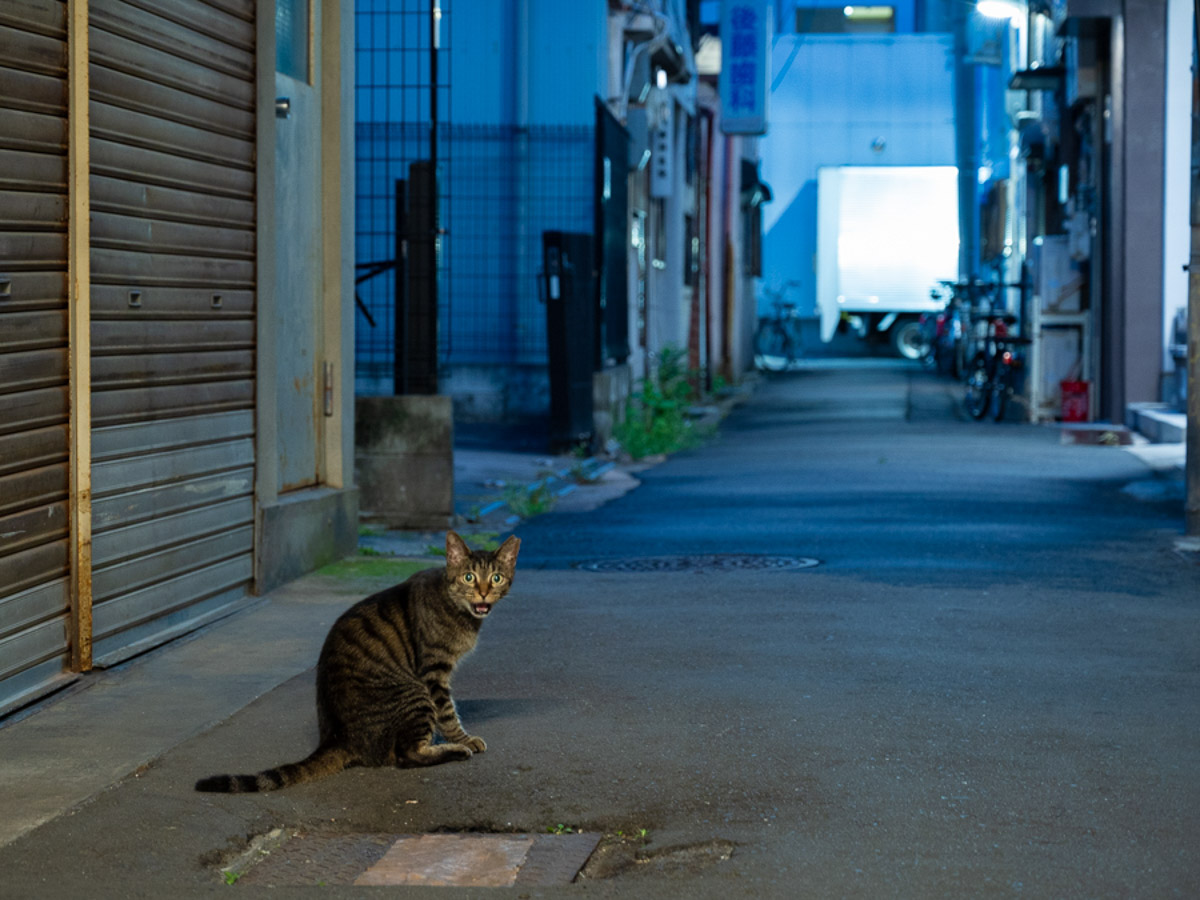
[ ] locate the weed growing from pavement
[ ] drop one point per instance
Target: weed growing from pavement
(641, 834)
(530, 500)
(656, 419)
(580, 474)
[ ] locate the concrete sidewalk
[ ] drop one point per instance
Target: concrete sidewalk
(73, 745)
(70, 746)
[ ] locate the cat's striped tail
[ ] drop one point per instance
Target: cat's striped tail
(323, 761)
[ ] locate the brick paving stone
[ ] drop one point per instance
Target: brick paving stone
(451, 860)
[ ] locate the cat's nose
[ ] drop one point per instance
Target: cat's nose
(484, 589)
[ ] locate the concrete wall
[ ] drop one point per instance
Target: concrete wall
(405, 460)
(1138, 121)
(1177, 160)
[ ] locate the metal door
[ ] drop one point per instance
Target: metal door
(173, 316)
(612, 235)
(570, 293)
(298, 275)
(34, 553)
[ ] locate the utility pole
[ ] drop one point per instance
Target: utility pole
(1192, 503)
(435, 46)
(964, 145)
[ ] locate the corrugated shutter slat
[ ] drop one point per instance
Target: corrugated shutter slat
(33, 349)
(173, 333)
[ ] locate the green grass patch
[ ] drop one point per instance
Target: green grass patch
(373, 567)
(483, 540)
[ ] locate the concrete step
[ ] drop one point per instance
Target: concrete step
(1158, 422)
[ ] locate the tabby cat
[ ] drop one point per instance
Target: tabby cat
(383, 677)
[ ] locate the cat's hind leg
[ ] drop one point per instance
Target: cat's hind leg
(427, 753)
(436, 678)
(414, 744)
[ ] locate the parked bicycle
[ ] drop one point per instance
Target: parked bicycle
(991, 375)
(943, 331)
(954, 343)
(777, 340)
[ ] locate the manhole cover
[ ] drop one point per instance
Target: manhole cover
(705, 562)
(449, 860)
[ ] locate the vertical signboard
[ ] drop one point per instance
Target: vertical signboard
(662, 151)
(745, 57)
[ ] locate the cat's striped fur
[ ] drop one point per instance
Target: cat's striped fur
(383, 677)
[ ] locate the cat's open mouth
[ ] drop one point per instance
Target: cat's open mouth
(481, 609)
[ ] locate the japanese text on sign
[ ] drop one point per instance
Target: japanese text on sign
(744, 50)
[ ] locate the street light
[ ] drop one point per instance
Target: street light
(1001, 9)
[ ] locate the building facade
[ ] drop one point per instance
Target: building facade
(583, 122)
(1100, 103)
(175, 418)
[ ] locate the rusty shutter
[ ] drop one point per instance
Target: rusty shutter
(173, 328)
(34, 560)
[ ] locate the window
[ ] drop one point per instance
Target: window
(292, 38)
(845, 20)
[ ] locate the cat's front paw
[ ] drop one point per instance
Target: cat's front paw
(476, 744)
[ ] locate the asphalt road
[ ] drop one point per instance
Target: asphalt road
(988, 686)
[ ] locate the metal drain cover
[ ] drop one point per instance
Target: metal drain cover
(703, 562)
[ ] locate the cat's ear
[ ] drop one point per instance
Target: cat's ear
(457, 551)
(507, 554)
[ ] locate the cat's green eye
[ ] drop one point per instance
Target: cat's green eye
(469, 577)
(497, 578)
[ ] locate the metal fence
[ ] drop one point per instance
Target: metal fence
(393, 109)
(501, 187)
(510, 185)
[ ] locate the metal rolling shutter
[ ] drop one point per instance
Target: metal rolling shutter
(173, 330)
(34, 558)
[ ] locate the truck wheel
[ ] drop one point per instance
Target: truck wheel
(908, 339)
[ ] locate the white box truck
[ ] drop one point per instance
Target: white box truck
(886, 235)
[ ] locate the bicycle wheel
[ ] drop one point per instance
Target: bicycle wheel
(979, 387)
(1000, 392)
(772, 347)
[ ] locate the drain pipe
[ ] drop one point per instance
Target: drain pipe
(1192, 460)
(527, 245)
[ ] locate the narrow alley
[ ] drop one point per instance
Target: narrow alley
(985, 686)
